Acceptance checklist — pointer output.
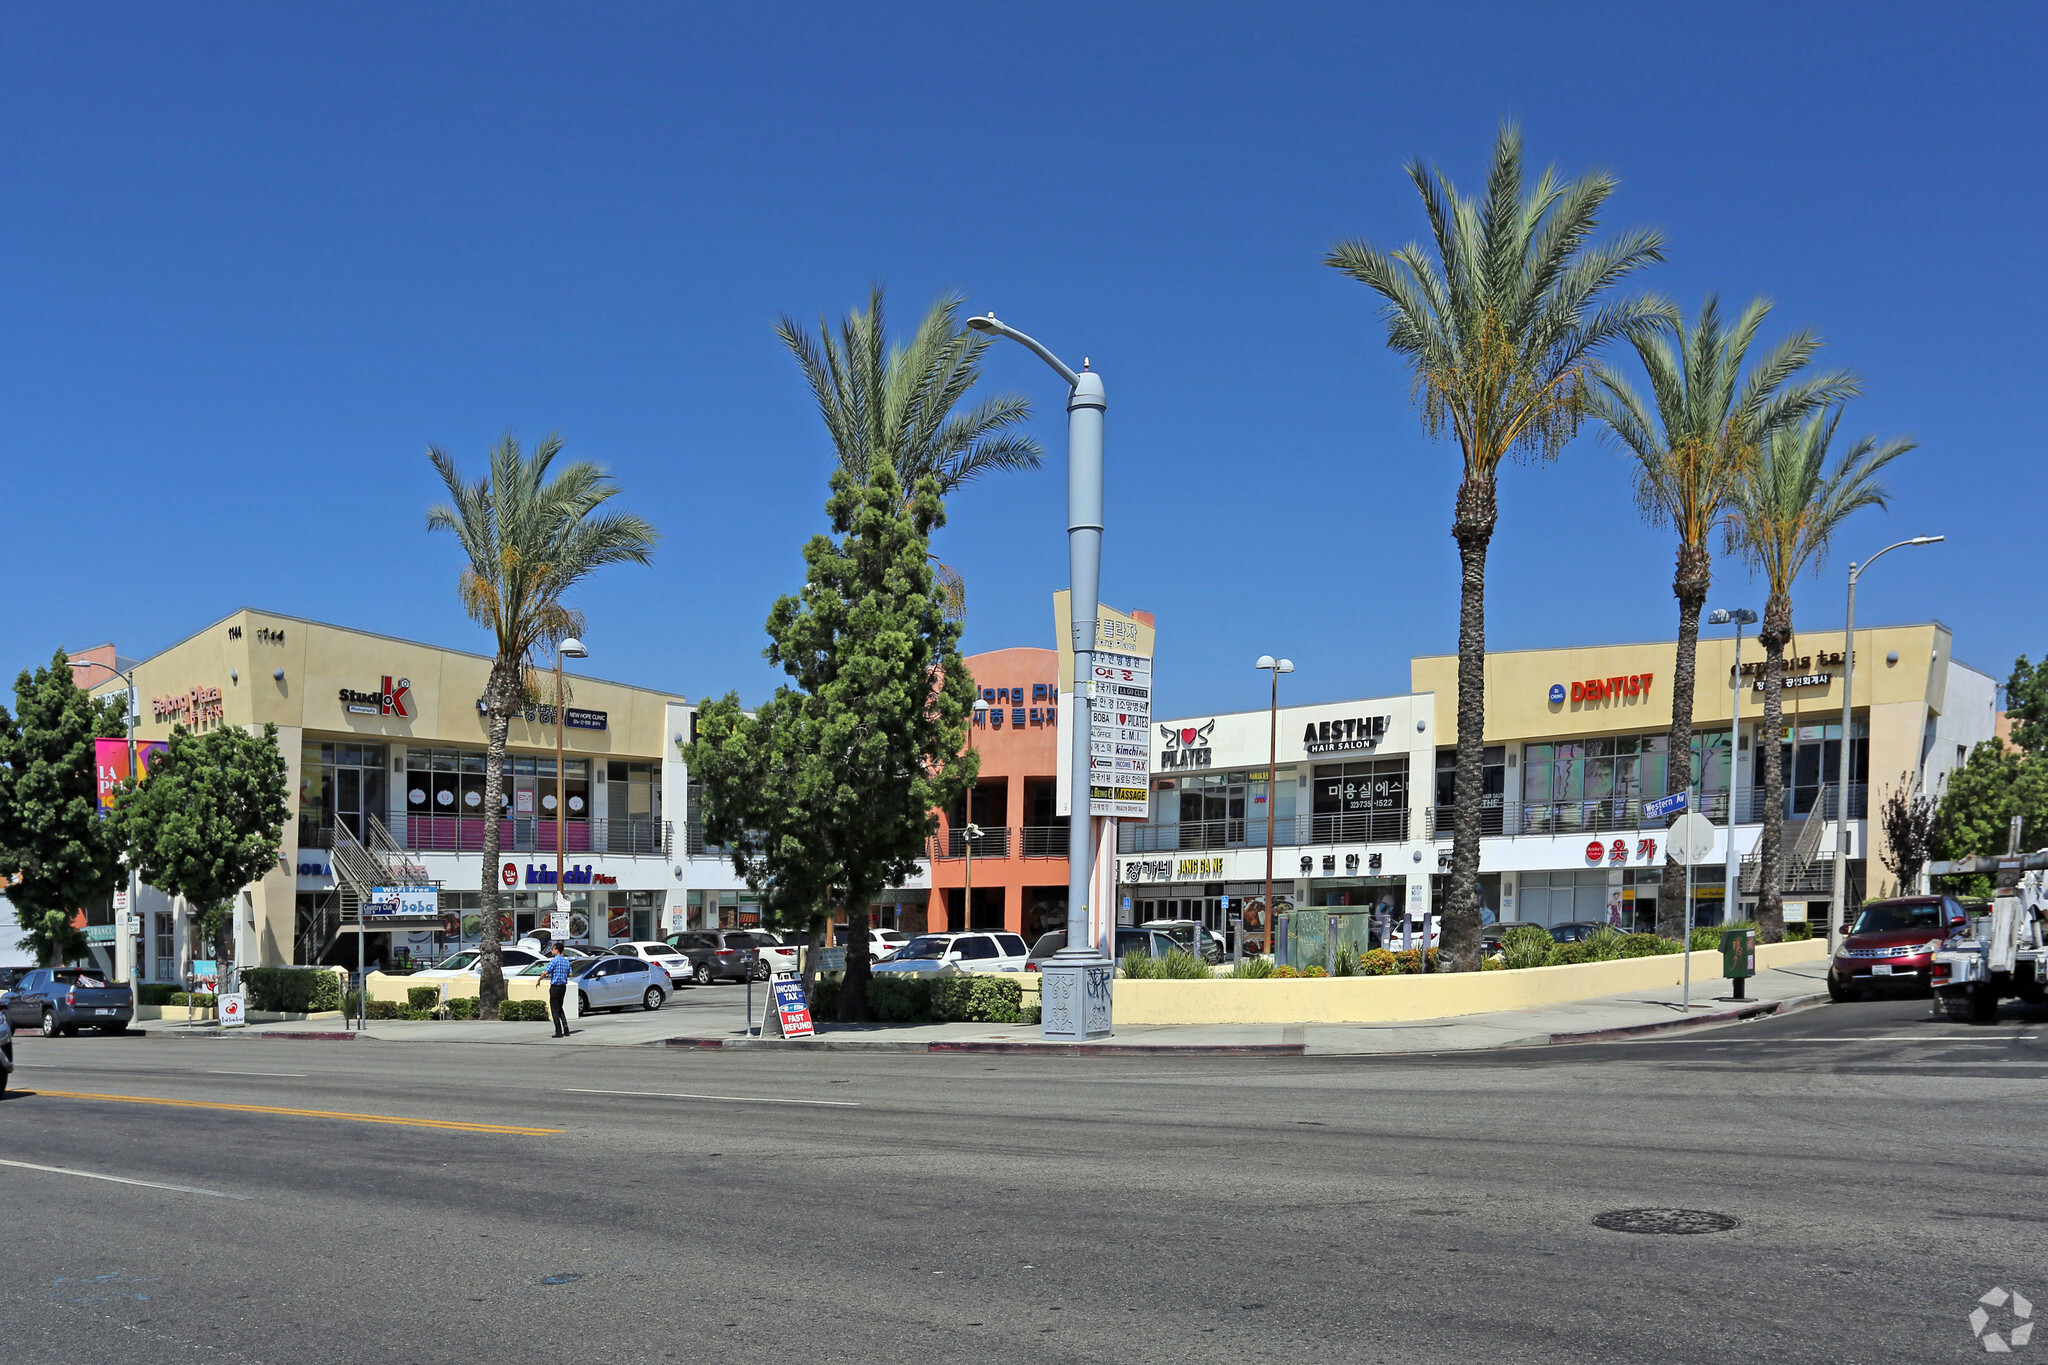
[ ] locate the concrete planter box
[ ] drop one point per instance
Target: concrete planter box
(1395, 999)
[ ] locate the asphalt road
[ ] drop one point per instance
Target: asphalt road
(1885, 1170)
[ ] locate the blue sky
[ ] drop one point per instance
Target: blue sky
(258, 258)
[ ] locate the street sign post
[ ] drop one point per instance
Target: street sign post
(1691, 839)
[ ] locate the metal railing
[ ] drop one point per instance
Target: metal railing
(524, 834)
(1619, 814)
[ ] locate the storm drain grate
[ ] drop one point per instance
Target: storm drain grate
(1674, 1222)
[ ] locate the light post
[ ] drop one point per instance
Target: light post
(571, 648)
(1276, 667)
(971, 831)
(124, 946)
(1076, 980)
(1838, 898)
(1731, 905)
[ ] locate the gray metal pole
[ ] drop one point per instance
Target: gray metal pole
(1731, 892)
(1085, 407)
(1838, 897)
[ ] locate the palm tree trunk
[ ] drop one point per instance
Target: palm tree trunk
(1770, 902)
(500, 696)
(1472, 527)
(1689, 585)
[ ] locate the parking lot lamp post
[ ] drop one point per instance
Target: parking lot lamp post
(1738, 617)
(971, 831)
(1838, 898)
(571, 648)
(1086, 403)
(126, 942)
(1276, 667)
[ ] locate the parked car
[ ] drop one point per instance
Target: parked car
(972, 952)
(1189, 932)
(774, 956)
(673, 960)
(1576, 931)
(1151, 942)
(614, 982)
(10, 977)
(511, 961)
(6, 1054)
(1891, 945)
(66, 999)
(883, 943)
(717, 954)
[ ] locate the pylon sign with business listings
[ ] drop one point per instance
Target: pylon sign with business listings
(1119, 713)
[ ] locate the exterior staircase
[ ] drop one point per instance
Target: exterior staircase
(1801, 868)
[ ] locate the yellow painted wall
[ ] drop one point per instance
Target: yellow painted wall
(1393, 999)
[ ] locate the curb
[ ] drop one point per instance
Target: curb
(245, 1033)
(1761, 1010)
(1041, 1049)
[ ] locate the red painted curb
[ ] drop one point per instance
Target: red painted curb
(693, 1042)
(1130, 1049)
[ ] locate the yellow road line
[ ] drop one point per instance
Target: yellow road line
(303, 1113)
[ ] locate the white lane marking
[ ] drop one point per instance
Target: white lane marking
(295, 1075)
(123, 1180)
(735, 1099)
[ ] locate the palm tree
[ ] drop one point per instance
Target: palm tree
(1787, 507)
(528, 538)
(898, 401)
(1708, 422)
(1499, 327)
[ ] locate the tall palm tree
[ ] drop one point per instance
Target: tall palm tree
(1705, 428)
(1500, 327)
(1786, 509)
(898, 401)
(529, 538)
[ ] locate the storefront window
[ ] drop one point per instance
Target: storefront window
(1601, 783)
(1623, 896)
(339, 784)
(633, 809)
(1810, 754)
(1361, 802)
(1493, 787)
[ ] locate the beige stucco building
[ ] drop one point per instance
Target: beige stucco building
(380, 731)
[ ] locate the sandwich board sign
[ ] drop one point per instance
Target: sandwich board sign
(789, 1011)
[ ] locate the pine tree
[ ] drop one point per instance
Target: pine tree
(51, 833)
(826, 794)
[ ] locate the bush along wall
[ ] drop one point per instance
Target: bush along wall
(894, 999)
(292, 990)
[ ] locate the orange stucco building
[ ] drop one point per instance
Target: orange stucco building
(1019, 866)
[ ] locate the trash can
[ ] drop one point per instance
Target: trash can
(1738, 957)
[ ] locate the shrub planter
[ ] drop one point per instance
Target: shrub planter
(1393, 999)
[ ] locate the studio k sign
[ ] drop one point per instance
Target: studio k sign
(389, 700)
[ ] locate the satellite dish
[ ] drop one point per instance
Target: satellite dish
(1691, 837)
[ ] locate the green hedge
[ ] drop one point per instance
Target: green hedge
(292, 990)
(462, 1007)
(196, 999)
(894, 999)
(423, 997)
(524, 1011)
(154, 995)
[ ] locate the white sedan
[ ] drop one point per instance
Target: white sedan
(928, 954)
(513, 961)
(666, 955)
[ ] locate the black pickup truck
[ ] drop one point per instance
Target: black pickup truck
(66, 999)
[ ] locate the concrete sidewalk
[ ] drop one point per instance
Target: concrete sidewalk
(719, 1020)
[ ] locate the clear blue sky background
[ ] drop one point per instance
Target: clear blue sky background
(258, 257)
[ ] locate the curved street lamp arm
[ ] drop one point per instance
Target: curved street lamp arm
(989, 323)
(1856, 570)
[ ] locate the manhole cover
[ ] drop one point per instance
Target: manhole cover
(1678, 1222)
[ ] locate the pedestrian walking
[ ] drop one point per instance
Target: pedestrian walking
(558, 987)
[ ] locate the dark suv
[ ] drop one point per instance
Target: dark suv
(1891, 945)
(718, 954)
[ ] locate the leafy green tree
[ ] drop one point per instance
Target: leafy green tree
(1499, 321)
(898, 401)
(826, 794)
(528, 538)
(1787, 507)
(2026, 704)
(51, 833)
(1701, 429)
(1978, 804)
(209, 821)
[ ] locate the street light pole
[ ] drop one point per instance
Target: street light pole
(1731, 904)
(1838, 897)
(1081, 1007)
(1276, 667)
(126, 942)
